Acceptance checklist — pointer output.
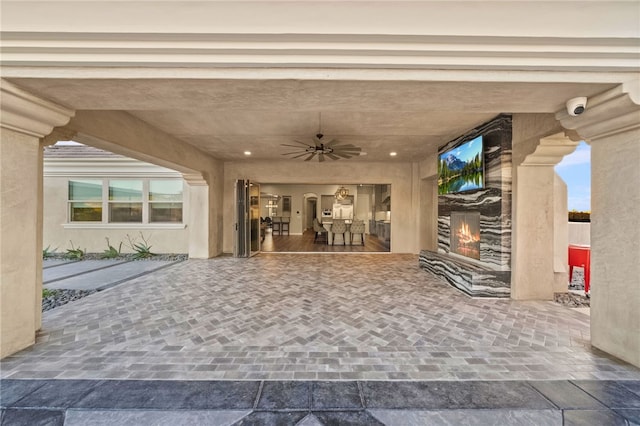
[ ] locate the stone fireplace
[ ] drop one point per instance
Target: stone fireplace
(474, 227)
(465, 234)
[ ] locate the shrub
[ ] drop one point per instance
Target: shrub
(48, 293)
(75, 253)
(111, 252)
(47, 252)
(142, 249)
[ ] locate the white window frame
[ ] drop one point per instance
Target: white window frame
(105, 224)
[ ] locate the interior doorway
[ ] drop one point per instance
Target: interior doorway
(310, 210)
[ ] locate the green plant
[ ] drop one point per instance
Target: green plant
(48, 293)
(111, 252)
(142, 249)
(75, 253)
(47, 252)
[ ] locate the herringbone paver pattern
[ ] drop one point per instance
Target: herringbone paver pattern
(309, 317)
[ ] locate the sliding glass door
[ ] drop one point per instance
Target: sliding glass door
(247, 223)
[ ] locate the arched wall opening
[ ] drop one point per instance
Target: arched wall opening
(540, 222)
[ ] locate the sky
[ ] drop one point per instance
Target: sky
(575, 170)
(466, 151)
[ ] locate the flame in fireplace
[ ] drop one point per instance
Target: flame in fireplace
(465, 236)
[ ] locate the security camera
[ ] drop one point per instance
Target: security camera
(576, 106)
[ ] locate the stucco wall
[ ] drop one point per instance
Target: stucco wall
(580, 233)
(539, 203)
(404, 208)
(58, 238)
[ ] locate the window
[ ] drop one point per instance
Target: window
(85, 200)
(125, 200)
(165, 201)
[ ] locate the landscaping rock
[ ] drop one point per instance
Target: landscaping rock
(127, 256)
(57, 298)
(572, 300)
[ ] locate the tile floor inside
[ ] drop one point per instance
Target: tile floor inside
(309, 317)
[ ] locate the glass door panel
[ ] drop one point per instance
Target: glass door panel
(247, 218)
(254, 217)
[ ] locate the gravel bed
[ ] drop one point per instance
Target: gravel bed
(575, 297)
(572, 300)
(125, 256)
(57, 298)
(61, 297)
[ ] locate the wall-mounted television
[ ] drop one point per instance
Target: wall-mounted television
(461, 168)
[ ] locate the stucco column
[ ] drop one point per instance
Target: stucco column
(199, 212)
(540, 252)
(24, 120)
(611, 124)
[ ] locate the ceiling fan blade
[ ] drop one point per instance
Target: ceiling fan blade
(331, 142)
(320, 157)
(332, 156)
(313, 154)
(301, 143)
(300, 155)
(349, 153)
(343, 154)
(293, 146)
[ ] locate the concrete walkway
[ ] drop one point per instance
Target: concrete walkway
(96, 274)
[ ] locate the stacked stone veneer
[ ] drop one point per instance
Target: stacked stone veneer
(491, 275)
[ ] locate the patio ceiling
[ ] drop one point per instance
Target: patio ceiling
(225, 117)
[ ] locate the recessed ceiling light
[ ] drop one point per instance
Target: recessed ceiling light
(393, 153)
(247, 153)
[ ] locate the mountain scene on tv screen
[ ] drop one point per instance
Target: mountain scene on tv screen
(460, 169)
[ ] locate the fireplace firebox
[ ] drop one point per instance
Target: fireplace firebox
(465, 234)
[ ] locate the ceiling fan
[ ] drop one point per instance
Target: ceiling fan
(331, 149)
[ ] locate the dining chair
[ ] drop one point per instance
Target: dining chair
(319, 230)
(339, 227)
(357, 227)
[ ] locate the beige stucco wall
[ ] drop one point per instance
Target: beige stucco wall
(404, 206)
(20, 249)
(579, 233)
(428, 195)
(560, 235)
(58, 238)
(539, 202)
(615, 251)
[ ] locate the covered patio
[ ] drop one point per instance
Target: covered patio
(309, 317)
(193, 85)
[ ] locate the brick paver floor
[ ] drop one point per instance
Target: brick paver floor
(309, 317)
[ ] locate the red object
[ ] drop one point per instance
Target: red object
(580, 256)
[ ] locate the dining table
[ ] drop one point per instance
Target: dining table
(327, 225)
